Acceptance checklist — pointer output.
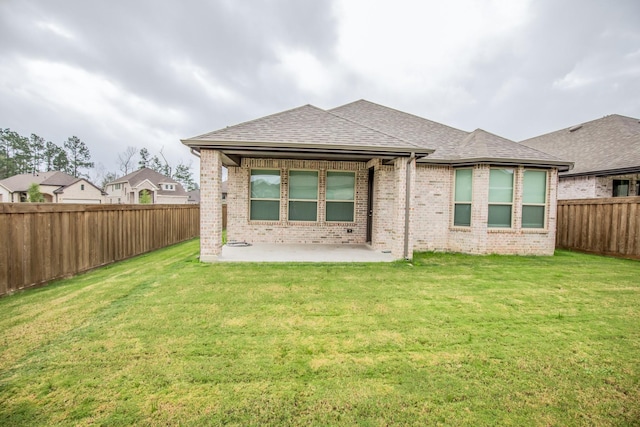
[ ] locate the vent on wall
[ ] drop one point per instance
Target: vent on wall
(574, 128)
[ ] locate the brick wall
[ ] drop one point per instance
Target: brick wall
(431, 213)
(434, 230)
(210, 205)
(240, 228)
(589, 187)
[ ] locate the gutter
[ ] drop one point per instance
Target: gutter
(407, 206)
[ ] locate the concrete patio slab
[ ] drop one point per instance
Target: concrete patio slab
(267, 252)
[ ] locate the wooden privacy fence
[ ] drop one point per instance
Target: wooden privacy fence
(602, 226)
(40, 242)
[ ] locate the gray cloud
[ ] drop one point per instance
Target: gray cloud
(147, 73)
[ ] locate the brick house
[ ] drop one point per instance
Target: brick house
(606, 155)
(365, 173)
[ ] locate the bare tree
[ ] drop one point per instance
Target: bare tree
(126, 160)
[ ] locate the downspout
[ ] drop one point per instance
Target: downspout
(195, 153)
(407, 206)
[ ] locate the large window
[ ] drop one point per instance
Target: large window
(534, 198)
(500, 198)
(620, 187)
(462, 198)
(265, 195)
(303, 195)
(340, 196)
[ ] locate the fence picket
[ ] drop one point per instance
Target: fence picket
(603, 226)
(46, 241)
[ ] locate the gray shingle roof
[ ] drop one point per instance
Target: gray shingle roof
(605, 145)
(305, 126)
(156, 178)
(368, 127)
(450, 144)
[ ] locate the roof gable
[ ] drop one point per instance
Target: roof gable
(604, 145)
(142, 174)
(135, 178)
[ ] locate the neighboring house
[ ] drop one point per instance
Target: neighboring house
(606, 154)
(162, 189)
(194, 197)
(365, 173)
(56, 187)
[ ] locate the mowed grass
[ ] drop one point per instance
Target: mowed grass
(448, 339)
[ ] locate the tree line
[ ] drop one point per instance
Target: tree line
(20, 154)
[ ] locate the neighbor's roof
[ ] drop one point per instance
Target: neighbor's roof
(606, 146)
(22, 181)
(368, 129)
(156, 178)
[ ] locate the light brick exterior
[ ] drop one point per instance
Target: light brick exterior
(240, 228)
(590, 187)
(430, 220)
(210, 205)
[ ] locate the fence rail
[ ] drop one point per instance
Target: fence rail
(602, 226)
(40, 242)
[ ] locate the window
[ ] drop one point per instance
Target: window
(340, 196)
(500, 197)
(82, 187)
(265, 195)
(462, 198)
(638, 188)
(169, 187)
(116, 186)
(303, 195)
(534, 198)
(620, 187)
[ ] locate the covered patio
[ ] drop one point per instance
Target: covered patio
(271, 252)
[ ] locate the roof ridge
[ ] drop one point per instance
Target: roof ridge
(373, 129)
(400, 111)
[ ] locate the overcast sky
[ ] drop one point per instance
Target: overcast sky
(147, 73)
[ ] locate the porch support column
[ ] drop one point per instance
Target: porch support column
(210, 205)
(404, 177)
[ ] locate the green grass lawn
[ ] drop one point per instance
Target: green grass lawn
(449, 339)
